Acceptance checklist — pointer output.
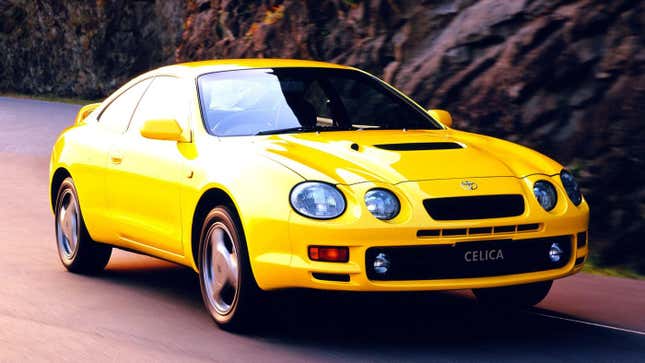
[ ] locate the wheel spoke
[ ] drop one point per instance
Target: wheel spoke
(217, 289)
(73, 228)
(65, 223)
(225, 256)
(216, 237)
(214, 254)
(230, 260)
(233, 270)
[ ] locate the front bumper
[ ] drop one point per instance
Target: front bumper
(360, 231)
(353, 276)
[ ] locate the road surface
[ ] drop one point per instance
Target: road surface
(143, 309)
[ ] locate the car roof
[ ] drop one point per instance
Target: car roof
(195, 69)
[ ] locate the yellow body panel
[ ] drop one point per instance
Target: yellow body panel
(142, 194)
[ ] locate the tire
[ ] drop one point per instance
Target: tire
(76, 249)
(228, 287)
(514, 296)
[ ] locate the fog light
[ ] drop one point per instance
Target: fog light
(555, 253)
(381, 263)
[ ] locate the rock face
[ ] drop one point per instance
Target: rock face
(562, 76)
(86, 48)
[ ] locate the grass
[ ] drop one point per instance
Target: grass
(613, 271)
(50, 98)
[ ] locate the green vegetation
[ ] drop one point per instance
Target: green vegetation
(614, 271)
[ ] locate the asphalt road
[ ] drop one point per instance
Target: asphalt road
(143, 309)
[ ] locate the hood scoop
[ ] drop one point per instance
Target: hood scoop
(418, 146)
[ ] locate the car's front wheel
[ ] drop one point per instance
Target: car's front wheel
(228, 288)
(514, 296)
(77, 251)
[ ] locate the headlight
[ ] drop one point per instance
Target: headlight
(382, 204)
(571, 187)
(317, 200)
(545, 194)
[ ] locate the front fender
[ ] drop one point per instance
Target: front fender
(259, 189)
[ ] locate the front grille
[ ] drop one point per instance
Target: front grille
(477, 207)
(449, 261)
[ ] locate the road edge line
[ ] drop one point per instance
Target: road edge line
(598, 325)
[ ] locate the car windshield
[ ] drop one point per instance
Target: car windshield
(287, 100)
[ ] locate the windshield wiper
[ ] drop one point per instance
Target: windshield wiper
(304, 129)
(287, 130)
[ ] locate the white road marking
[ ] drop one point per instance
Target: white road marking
(589, 323)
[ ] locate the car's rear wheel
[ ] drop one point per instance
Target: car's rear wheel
(77, 251)
(514, 296)
(227, 284)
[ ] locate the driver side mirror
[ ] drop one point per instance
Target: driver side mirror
(162, 129)
(441, 116)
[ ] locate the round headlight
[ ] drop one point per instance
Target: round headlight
(545, 194)
(571, 187)
(382, 203)
(317, 200)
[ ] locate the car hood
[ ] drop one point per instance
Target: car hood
(394, 156)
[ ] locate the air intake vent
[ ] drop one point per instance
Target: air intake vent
(418, 146)
(479, 231)
(476, 207)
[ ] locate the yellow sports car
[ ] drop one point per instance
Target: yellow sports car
(270, 174)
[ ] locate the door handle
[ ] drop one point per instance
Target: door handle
(116, 158)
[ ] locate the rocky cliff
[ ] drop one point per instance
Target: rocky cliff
(563, 76)
(84, 48)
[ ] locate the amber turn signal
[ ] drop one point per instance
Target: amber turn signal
(329, 254)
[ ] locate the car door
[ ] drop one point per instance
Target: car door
(143, 183)
(94, 147)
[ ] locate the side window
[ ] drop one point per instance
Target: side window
(315, 95)
(116, 116)
(164, 99)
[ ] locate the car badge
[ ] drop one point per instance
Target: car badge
(468, 185)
